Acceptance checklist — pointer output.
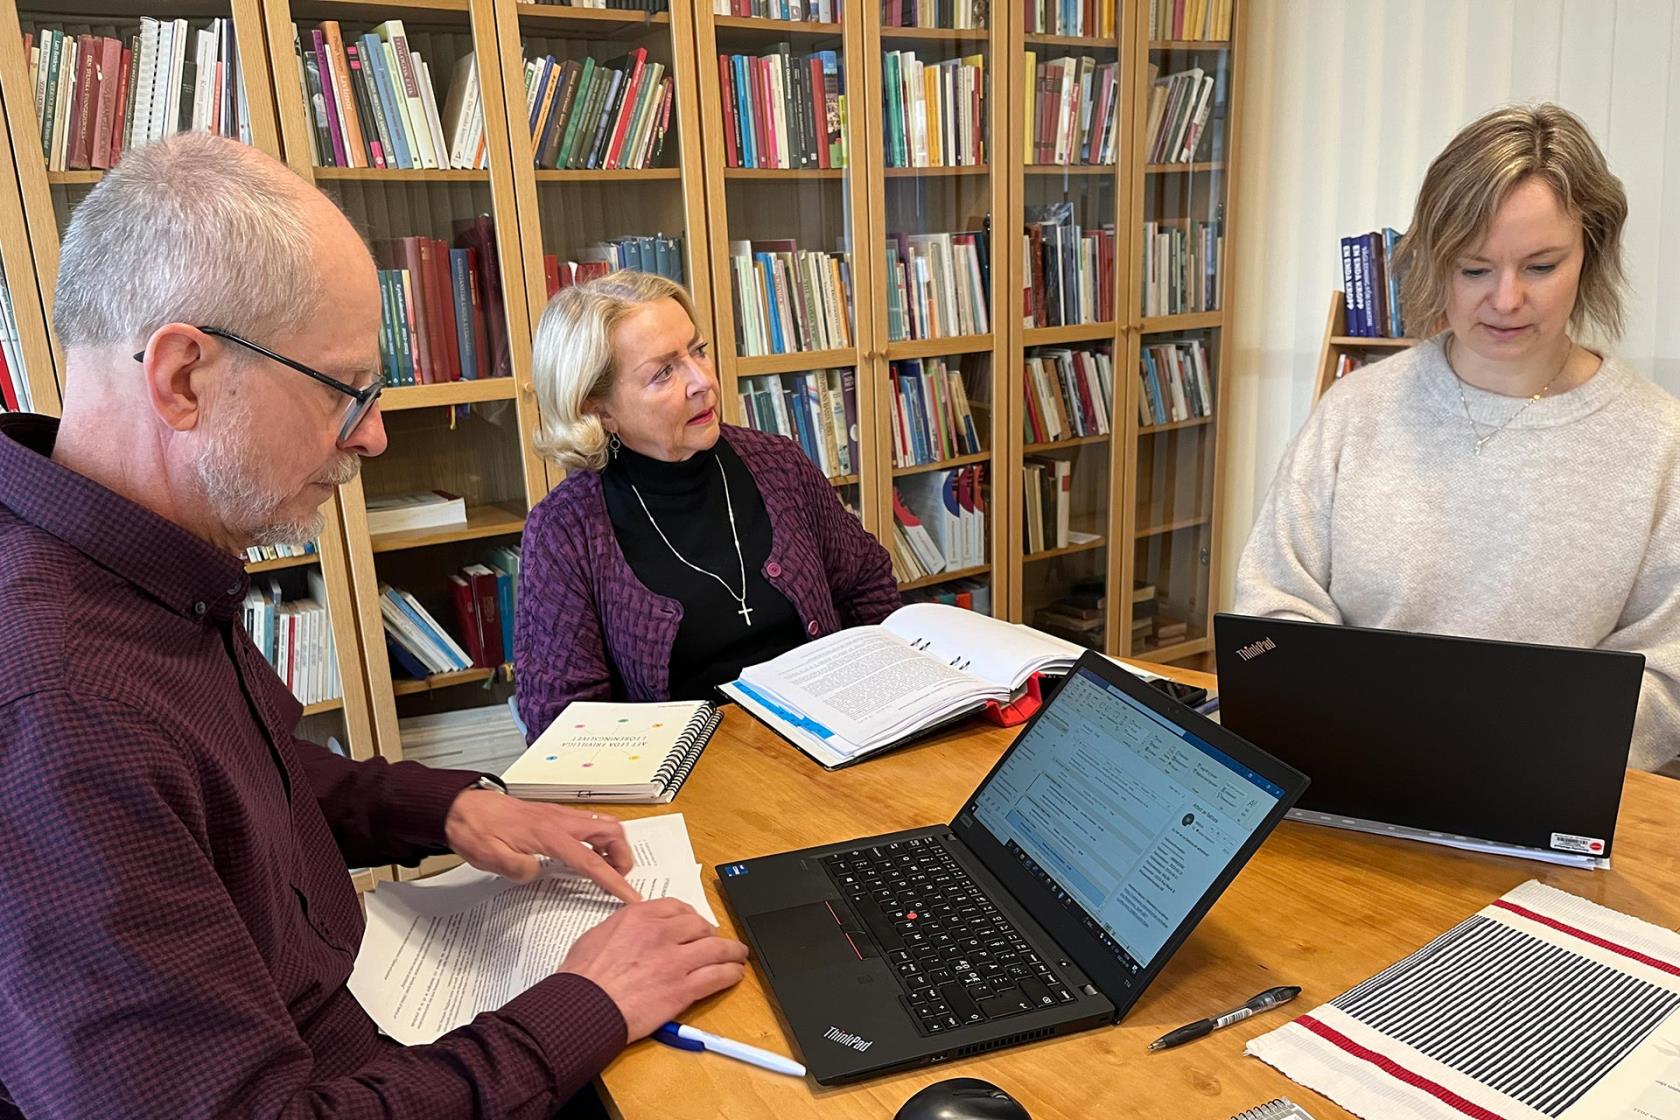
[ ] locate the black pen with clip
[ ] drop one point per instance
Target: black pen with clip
(1265, 1001)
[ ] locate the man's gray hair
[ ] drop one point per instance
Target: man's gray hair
(193, 229)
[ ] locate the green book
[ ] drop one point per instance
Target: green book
(580, 109)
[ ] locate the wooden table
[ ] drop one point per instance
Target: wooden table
(1316, 907)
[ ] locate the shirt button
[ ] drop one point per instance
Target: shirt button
(772, 569)
(199, 607)
(233, 590)
(811, 628)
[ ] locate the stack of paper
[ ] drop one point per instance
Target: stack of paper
(440, 951)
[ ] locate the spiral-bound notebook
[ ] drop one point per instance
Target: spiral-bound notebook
(1280, 1108)
(614, 752)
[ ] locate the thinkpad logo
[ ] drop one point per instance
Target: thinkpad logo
(1255, 649)
(835, 1034)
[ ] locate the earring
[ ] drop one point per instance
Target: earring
(614, 444)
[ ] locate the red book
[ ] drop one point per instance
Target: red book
(466, 620)
(110, 75)
(114, 153)
(415, 259)
(8, 392)
(441, 306)
(819, 112)
(636, 64)
(731, 120)
(83, 100)
(487, 609)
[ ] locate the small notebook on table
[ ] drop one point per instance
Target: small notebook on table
(1280, 1108)
(614, 752)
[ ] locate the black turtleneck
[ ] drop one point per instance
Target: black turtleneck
(686, 498)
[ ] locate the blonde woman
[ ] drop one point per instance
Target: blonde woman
(1501, 479)
(679, 549)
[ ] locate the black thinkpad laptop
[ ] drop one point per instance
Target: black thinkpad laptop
(1479, 744)
(1062, 887)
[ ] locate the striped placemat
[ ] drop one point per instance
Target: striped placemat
(1540, 1005)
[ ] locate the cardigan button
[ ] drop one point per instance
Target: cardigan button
(772, 569)
(811, 628)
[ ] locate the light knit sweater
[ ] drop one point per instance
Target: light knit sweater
(1564, 531)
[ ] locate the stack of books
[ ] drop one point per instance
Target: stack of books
(1152, 626)
(1177, 383)
(816, 409)
(1079, 616)
(15, 395)
(934, 113)
(939, 522)
(656, 253)
(1202, 20)
(589, 115)
(789, 299)
(295, 636)
(258, 553)
(1069, 394)
(1072, 111)
(443, 317)
(938, 285)
(795, 11)
(783, 109)
(486, 739)
(1086, 18)
(419, 646)
(933, 419)
(962, 15)
(484, 613)
(1371, 284)
(1068, 272)
(1179, 107)
(1182, 266)
(407, 513)
(96, 96)
(374, 104)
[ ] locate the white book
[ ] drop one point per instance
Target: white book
(408, 633)
(428, 103)
(61, 111)
(614, 752)
(177, 63)
(410, 88)
(162, 32)
(413, 131)
(458, 107)
(428, 509)
(204, 79)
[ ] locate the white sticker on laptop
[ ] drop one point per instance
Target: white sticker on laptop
(1587, 845)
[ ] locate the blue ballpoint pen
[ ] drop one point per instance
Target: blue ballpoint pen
(685, 1037)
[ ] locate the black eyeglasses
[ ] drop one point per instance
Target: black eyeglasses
(361, 400)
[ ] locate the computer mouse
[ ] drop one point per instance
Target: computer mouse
(962, 1098)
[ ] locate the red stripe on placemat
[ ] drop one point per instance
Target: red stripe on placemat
(1591, 938)
(1400, 1073)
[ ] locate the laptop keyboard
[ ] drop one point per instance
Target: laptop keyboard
(958, 960)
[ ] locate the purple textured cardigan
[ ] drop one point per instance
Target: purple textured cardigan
(588, 629)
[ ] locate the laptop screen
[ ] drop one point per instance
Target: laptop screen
(1122, 812)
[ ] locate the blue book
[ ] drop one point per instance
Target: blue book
(1391, 242)
(801, 422)
(387, 330)
(545, 74)
(743, 98)
(373, 54)
(460, 283)
(1350, 293)
(504, 607)
(429, 627)
(1152, 383)
(409, 665)
(768, 260)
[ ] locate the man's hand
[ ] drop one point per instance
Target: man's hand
(495, 832)
(654, 959)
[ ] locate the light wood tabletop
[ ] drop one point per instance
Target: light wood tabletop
(1316, 907)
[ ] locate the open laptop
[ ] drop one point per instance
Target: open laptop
(1066, 881)
(1493, 746)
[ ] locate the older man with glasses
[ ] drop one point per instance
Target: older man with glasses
(176, 924)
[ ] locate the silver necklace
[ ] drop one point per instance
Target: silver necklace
(745, 611)
(1475, 429)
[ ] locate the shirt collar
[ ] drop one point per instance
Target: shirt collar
(186, 573)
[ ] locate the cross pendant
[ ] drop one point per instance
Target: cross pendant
(746, 611)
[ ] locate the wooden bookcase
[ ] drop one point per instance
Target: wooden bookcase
(49, 197)
(1337, 342)
(17, 263)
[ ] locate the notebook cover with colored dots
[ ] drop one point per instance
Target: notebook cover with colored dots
(614, 752)
(1280, 1108)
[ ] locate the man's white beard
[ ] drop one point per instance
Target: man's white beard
(235, 491)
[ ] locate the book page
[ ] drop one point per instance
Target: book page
(1002, 653)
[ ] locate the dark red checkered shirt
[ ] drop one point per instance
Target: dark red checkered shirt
(176, 922)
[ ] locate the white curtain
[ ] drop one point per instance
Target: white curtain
(1345, 102)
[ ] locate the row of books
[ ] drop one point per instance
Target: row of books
(1080, 616)
(938, 285)
(486, 738)
(97, 95)
(1072, 111)
(598, 115)
(1182, 266)
(1086, 18)
(939, 522)
(1177, 383)
(1069, 394)
(295, 636)
(816, 409)
(258, 553)
(15, 394)
(1204, 20)
(793, 11)
(789, 299)
(934, 112)
(485, 598)
(1047, 486)
(373, 102)
(1371, 284)
(443, 317)
(933, 418)
(969, 594)
(1346, 363)
(783, 109)
(1179, 107)
(608, 5)
(963, 15)
(1067, 271)
(655, 253)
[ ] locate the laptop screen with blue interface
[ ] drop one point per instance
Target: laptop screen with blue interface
(1123, 810)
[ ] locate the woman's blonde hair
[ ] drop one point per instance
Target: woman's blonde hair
(573, 360)
(1474, 175)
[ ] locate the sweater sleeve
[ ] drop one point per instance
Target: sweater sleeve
(859, 570)
(559, 648)
(1285, 566)
(1650, 624)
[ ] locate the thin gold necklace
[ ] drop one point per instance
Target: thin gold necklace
(1482, 441)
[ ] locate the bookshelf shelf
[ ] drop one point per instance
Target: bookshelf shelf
(321, 707)
(914, 35)
(839, 480)
(797, 362)
(376, 9)
(1077, 42)
(589, 23)
(614, 175)
(1174, 426)
(978, 169)
(441, 680)
(1052, 553)
(283, 562)
(1077, 332)
(1189, 44)
(943, 464)
(494, 520)
(941, 347)
(783, 174)
(736, 30)
(400, 175)
(947, 576)
(1338, 345)
(1157, 529)
(1360, 343)
(1058, 170)
(449, 393)
(1164, 324)
(1062, 444)
(1177, 651)
(73, 178)
(1183, 168)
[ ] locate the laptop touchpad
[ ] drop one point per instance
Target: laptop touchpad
(805, 937)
